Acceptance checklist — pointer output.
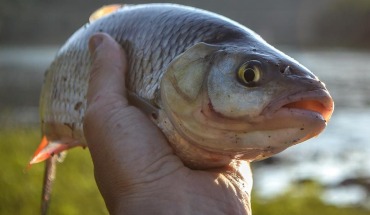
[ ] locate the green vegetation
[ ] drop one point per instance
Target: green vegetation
(302, 199)
(75, 191)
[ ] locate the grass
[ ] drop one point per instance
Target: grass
(75, 191)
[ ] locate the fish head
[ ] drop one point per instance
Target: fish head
(245, 102)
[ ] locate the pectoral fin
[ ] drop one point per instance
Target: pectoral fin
(47, 149)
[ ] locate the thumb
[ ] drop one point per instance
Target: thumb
(106, 91)
(105, 101)
(105, 98)
(123, 142)
(108, 57)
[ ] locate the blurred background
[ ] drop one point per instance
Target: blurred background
(329, 174)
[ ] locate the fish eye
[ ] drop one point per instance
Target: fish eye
(250, 73)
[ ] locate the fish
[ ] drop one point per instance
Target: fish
(216, 89)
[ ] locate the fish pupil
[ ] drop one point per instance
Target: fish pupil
(249, 75)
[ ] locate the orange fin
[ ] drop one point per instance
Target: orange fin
(43, 144)
(47, 149)
(103, 11)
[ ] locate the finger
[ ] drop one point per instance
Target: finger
(108, 69)
(121, 139)
(126, 147)
(106, 93)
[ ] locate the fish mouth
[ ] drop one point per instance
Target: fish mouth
(317, 103)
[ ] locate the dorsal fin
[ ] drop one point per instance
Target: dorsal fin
(105, 10)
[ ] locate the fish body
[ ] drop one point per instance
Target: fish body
(216, 89)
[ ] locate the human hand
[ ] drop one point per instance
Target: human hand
(135, 168)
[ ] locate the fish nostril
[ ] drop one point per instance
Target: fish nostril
(287, 70)
(300, 72)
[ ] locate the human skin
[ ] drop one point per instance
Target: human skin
(135, 168)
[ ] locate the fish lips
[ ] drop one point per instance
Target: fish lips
(314, 105)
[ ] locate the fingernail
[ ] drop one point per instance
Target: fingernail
(94, 42)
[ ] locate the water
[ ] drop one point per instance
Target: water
(337, 158)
